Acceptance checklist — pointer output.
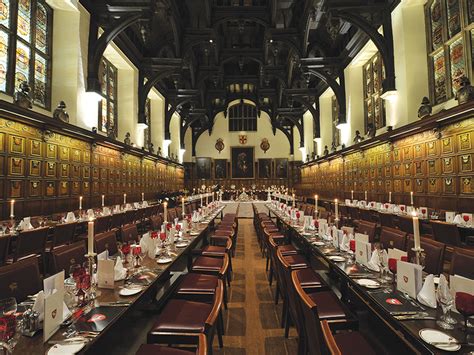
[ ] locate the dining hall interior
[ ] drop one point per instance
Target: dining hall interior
(236, 177)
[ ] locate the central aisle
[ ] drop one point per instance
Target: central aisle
(252, 320)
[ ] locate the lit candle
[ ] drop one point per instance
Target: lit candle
(336, 209)
(165, 211)
(390, 197)
(90, 237)
(416, 231)
(103, 200)
(315, 202)
(207, 198)
(352, 194)
(124, 199)
(366, 195)
(411, 198)
(80, 202)
(182, 204)
(12, 209)
(143, 196)
(293, 196)
(201, 199)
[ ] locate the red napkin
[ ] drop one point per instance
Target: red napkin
(352, 245)
(392, 265)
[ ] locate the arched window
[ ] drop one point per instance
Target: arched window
(108, 106)
(374, 108)
(450, 33)
(242, 117)
(147, 131)
(25, 48)
(336, 133)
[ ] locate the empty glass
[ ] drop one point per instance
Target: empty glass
(445, 299)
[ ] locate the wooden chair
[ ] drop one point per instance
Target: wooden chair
(393, 238)
(4, 247)
(405, 223)
(434, 254)
(106, 241)
(63, 234)
(198, 347)
(346, 343)
(156, 222)
(368, 228)
(129, 233)
(102, 224)
(20, 279)
(116, 220)
(462, 263)
(65, 256)
(31, 243)
(386, 220)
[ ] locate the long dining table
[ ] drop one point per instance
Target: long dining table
(397, 325)
(112, 304)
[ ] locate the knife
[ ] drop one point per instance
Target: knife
(413, 317)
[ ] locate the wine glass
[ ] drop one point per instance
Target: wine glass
(8, 324)
(445, 300)
(392, 266)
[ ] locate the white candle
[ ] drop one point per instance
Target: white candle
(416, 231)
(207, 198)
(352, 194)
(124, 199)
(293, 196)
(165, 211)
(143, 196)
(12, 209)
(316, 198)
(80, 202)
(90, 237)
(411, 198)
(366, 195)
(103, 200)
(390, 197)
(201, 200)
(336, 209)
(182, 205)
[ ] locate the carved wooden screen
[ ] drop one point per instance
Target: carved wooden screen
(374, 107)
(336, 133)
(108, 105)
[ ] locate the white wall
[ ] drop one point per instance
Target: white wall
(325, 107)
(279, 145)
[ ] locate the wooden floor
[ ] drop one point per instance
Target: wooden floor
(252, 322)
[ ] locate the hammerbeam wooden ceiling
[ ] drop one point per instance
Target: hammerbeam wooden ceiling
(203, 54)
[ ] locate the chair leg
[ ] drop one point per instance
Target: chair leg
(287, 324)
(225, 295)
(270, 275)
(268, 262)
(277, 293)
(221, 321)
(284, 314)
(219, 334)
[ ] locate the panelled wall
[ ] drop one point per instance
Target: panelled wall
(435, 163)
(47, 171)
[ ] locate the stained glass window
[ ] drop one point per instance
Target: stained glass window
(373, 72)
(25, 47)
(108, 106)
(147, 132)
(450, 39)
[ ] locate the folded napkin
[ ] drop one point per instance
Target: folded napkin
(344, 246)
(106, 211)
(427, 295)
(70, 217)
(145, 203)
(90, 213)
(136, 205)
(119, 271)
(25, 224)
(128, 206)
(374, 262)
(458, 219)
(148, 245)
(103, 256)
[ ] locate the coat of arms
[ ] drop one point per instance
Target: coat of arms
(242, 138)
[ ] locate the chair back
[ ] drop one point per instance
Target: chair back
(434, 254)
(310, 317)
(129, 233)
(116, 220)
(393, 238)
(405, 223)
(171, 214)
(462, 263)
(129, 217)
(31, 242)
(64, 233)
(106, 241)
(67, 255)
(386, 220)
(446, 233)
(156, 222)
(368, 228)
(20, 279)
(4, 247)
(353, 212)
(102, 224)
(366, 215)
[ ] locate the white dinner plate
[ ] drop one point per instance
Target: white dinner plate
(194, 233)
(182, 244)
(435, 336)
(368, 283)
(62, 349)
(318, 244)
(164, 260)
(337, 258)
(130, 291)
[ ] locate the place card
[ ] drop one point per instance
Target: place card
(450, 216)
(394, 253)
(467, 218)
(348, 230)
(460, 284)
(361, 237)
(424, 212)
(105, 273)
(54, 283)
(409, 278)
(363, 252)
(53, 313)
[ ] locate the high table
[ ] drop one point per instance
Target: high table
(405, 333)
(35, 345)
